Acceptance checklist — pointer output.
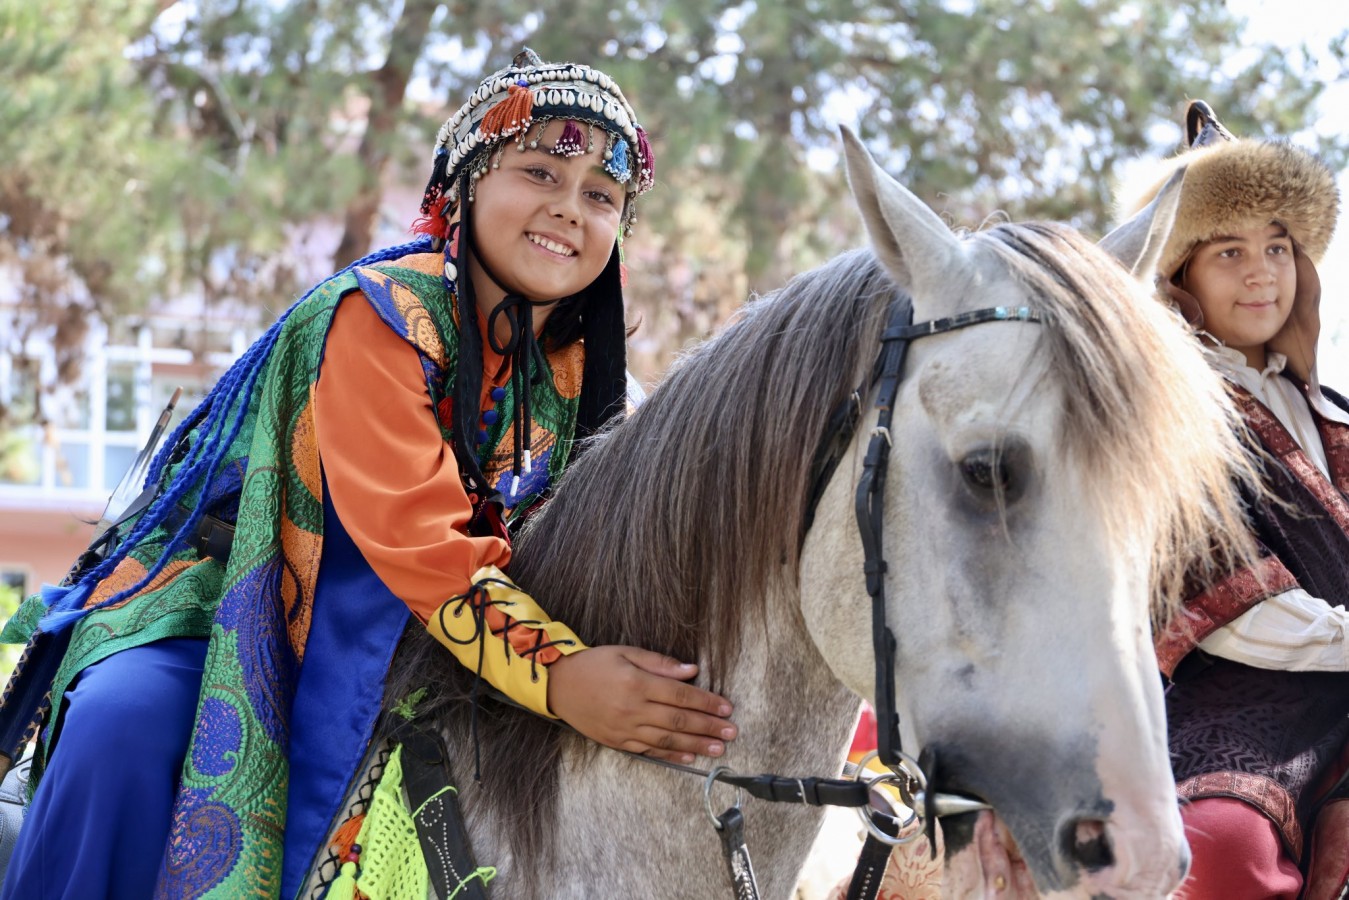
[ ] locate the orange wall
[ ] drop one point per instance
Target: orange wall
(44, 542)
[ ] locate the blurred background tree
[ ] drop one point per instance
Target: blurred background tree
(155, 149)
(9, 653)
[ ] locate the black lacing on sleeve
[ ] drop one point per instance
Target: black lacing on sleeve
(477, 599)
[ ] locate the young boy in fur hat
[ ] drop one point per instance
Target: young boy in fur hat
(1258, 700)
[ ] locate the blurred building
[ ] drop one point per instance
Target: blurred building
(55, 476)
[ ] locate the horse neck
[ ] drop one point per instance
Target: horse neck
(622, 826)
(781, 685)
(794, 719)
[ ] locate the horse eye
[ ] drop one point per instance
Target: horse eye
(985, 470)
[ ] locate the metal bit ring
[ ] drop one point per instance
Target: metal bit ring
(707, 795)
(905, 778)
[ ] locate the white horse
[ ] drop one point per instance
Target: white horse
(1046, 480)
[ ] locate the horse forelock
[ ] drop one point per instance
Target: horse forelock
(1144, 415)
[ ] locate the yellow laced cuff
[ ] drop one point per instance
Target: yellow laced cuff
(477, 628)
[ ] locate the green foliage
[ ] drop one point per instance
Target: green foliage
(162, 148)
(999, 106)
(9, 653)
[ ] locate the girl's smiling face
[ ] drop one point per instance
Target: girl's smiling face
(1245, 283)
(544, 225)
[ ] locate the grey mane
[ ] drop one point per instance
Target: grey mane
(668, 524)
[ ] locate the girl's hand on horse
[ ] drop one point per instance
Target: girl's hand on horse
(636, 700)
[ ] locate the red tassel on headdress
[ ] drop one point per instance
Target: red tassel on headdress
(510, 115)
(435, 223)
(572, 142)
(646, 162)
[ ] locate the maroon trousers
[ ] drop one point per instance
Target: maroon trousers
(1237, 854)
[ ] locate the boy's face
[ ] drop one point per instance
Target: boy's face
(1245, 283)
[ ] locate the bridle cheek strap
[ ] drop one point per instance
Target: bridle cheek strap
(870, 498)
(870, 509)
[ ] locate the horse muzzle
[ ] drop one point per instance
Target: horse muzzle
(1059, 837)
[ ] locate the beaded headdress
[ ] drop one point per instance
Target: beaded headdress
(515, 105)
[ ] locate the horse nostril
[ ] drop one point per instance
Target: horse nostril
(1087, 844)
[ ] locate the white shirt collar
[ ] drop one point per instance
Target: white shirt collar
(1232, 363)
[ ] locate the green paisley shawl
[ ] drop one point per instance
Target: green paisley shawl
(230, 815)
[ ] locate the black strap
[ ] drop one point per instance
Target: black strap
(870, 512)
(927, 762)
(773, 788)
(440, 822)
(731, 827)
(214, 537)
(870, 497)
(810, 791)
(871, 863)
(908, 332)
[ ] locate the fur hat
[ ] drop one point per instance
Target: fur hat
(1231, 181)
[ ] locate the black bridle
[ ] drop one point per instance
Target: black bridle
(870, 499)
(909, 775)
(905, 773)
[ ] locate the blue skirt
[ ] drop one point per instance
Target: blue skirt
(99, 822)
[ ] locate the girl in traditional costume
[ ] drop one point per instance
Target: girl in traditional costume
(359, 466)
(1258, 664)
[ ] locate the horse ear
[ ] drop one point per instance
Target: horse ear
(911, 241)
(1139, 242)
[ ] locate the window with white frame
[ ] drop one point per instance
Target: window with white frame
(17, 578)
(89, 433)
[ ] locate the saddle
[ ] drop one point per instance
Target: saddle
(13, 807)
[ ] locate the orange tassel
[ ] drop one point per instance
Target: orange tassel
(346, 835)
(510, 115)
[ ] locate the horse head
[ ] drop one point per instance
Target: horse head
(1044, 479)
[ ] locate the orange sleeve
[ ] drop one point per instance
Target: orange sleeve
(392, 477)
